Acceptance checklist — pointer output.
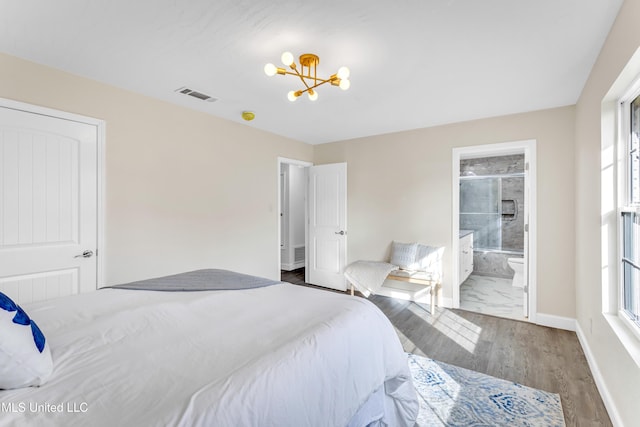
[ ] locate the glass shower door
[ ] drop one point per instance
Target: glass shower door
(480, 210)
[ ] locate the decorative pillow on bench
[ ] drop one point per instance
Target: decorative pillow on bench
(25, 358)
(428, 258)
(404, 255)
(417, 257)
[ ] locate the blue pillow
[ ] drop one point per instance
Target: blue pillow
(25, 358)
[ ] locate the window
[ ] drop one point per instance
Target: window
(633, 135)
(631, 267)
(630, 277)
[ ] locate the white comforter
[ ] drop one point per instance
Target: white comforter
(283, 355)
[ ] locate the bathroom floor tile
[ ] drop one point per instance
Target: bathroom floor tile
(492, 295)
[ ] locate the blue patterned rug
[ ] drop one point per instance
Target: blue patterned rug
(453, 396)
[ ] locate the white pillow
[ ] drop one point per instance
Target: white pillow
(427, 257)
(25, 358)
(404, 255)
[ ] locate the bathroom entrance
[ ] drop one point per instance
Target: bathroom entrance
(493, 225)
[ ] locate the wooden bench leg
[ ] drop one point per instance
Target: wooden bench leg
(433, 293)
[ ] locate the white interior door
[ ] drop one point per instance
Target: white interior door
(327, 225)
(48, 206)
(525, 266)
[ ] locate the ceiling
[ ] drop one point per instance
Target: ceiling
(414, 63)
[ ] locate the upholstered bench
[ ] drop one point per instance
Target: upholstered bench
(418, 266)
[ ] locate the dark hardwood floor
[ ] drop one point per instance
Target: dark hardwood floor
(536, 356)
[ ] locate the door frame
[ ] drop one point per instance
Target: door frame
(285, 160)
(100, 190)
(498, 149)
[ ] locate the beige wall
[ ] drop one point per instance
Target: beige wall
(596, 266)
(185, 190)
(399, 188)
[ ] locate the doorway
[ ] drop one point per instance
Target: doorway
(494, 229)
(293, 213)
(293, 197)
(313, 199)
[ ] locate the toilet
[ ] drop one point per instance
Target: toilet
(517, 264)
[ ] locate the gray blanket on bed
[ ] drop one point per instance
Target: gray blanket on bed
(199, 280)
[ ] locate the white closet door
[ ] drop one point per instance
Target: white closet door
(48, 206)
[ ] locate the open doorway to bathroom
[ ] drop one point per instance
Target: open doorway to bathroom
(493, 227)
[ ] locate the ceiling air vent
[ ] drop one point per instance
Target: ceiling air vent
(196, 94)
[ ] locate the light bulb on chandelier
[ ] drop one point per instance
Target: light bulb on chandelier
(308, 74)
(287, 58)
(270, 69)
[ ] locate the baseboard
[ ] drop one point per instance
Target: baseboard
(290, 267)
(598, 379)
(558, 322)
(444, 302)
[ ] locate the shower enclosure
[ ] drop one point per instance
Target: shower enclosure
(491, 206)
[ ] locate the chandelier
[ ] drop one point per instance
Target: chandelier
(308, 75)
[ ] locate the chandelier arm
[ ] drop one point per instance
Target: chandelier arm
(302, 76)
(322, 81)
(304, 81)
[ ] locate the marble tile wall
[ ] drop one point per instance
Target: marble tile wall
(513, 224)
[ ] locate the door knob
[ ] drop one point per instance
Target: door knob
(86, 254)
(341, 232)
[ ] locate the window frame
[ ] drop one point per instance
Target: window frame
(626, 203)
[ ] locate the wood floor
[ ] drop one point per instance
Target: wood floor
(536, 356)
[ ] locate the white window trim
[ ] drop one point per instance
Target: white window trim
(624, 318)
(623, 124)
(631, 329)
(611, 199)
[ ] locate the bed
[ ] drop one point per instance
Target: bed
(276, 355)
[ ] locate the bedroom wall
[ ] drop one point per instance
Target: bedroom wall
(399, 188)
(184, 189)
(608, 346)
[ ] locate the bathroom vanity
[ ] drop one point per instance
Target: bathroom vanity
(465, 262)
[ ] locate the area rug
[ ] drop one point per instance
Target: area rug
(453, 396)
